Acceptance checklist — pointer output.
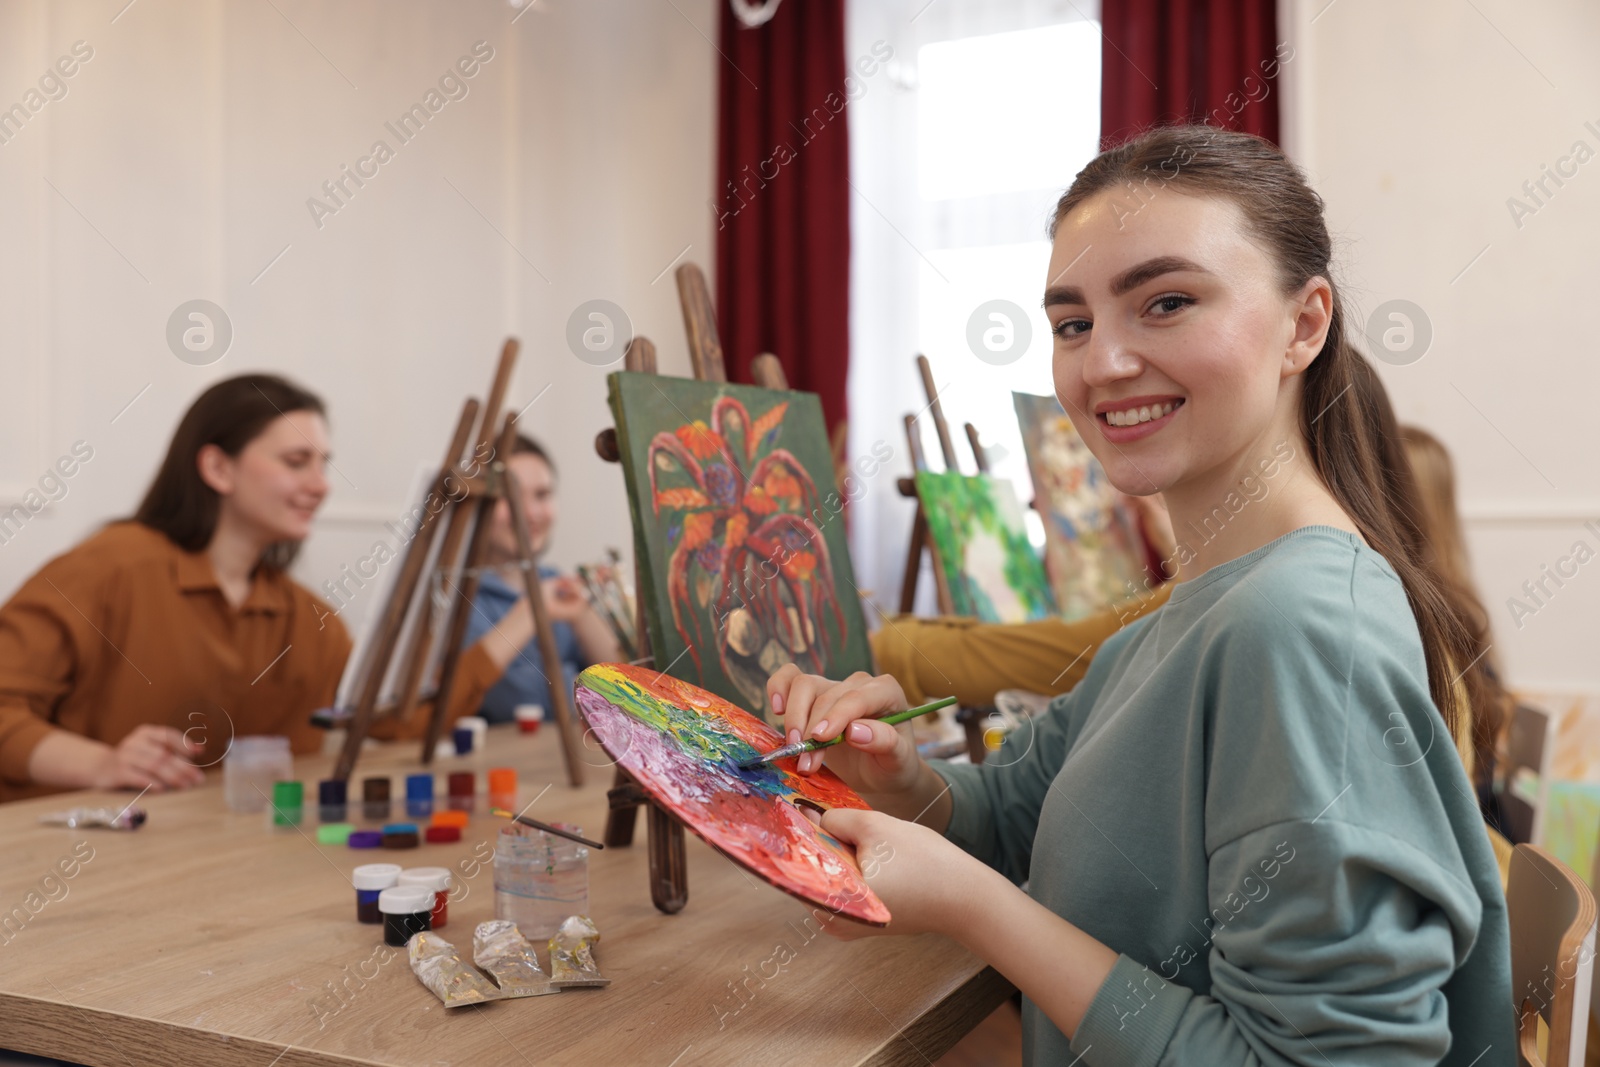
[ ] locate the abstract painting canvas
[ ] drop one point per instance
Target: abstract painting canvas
(683, 746)
(981, 547)
(1092, 548)
(739, 532)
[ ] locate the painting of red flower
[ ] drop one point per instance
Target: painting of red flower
(745, 555)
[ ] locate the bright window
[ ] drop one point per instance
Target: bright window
(1004, 121)
(1006, 111)
(959, 151)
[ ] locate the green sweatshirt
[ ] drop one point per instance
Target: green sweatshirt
(1252, 798)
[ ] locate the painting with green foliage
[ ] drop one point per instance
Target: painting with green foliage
(981, 547)
(739, 532)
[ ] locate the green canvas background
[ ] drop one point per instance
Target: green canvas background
(646, 404)
(957, 505)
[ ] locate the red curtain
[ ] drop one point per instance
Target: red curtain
(1210, 61)
(782, 204)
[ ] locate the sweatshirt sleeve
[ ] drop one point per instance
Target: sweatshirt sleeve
(973, 660)
(1328, 944)
(995, 805)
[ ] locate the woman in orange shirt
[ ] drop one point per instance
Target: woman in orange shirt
(143, 651)
(134, 659)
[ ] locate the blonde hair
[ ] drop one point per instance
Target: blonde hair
(1436, 478)
(1445, 546)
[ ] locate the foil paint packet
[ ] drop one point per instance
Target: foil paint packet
(501, 952)
(571, 956)
(437, 965)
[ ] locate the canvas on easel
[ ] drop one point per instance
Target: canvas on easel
(739, 533)
(971, 527)
(669, 868)
(1093, 552)
(981, 548)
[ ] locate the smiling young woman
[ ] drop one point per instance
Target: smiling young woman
(1246, 834)
(134, 659)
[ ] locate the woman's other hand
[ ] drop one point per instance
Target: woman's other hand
(151, 757)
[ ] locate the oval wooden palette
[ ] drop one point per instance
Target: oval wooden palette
(683, 744)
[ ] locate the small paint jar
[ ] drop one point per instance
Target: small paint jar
(462, 736)
(375, 799)
(463, 788)
(334, 833)
(288, 805)
(365, 839)
(529, 716)
(441, 835)
(331, 802)
(400, 835)
(419, 795)
(449, 818)
(479, 727)
(406, 910)
(503, 788)
(371, 879)
(437, 881)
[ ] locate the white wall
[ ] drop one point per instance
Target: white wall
(185, 149)
(1418, 121)
(184, 152)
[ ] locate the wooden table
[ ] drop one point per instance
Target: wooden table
(205, 938)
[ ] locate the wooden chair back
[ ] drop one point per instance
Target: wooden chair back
(1552, 917)
(1530, 743)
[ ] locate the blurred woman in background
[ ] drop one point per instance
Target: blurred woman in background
(502, 618)
(1444, 544)
(151, 645)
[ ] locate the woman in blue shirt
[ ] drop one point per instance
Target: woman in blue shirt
(502, 608)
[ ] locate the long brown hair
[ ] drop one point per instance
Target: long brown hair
(1285, 216)
(230, 415)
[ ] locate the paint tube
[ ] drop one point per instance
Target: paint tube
(128, 818)
(435, 963)
(501, 952)
(571, 957)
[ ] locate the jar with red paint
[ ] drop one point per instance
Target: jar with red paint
(437, 881)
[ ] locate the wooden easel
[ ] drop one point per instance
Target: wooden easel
(908, 488)
(970, 719)
(980, 455)
(480, 480)
(669, 870)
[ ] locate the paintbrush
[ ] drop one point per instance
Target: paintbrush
(811, 746)
(546, 827)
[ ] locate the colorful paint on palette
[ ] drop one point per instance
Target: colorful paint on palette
(1092, 547)
(981, 550)
(683, 745)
